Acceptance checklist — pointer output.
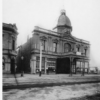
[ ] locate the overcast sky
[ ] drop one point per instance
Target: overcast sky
(84, 16)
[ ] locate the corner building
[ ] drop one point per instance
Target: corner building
(61, 52)
(9, 39)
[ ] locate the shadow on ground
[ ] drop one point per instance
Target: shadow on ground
(93, 97)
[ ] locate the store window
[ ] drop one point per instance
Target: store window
(51, 64)
(38, 63)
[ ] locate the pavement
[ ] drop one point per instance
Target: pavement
(34, 80)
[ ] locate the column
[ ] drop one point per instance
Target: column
(71, 60)
(83, 68)
(75, 66)
(8, 65)
(62, 46)
(88, 68)
(80, 66)
(72, 67)
(45, 65)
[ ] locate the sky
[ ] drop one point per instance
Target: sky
(83, 14)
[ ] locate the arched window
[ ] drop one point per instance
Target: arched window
(13, 44)
(43, 45)
(54, 47)
(85, 51)
(78, 48)
(67, 47)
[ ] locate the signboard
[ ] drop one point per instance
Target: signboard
(78, 53)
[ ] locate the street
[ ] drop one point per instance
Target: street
(63, 92)
(51, 87)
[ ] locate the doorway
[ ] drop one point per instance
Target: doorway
(63, 65)
(12, 66)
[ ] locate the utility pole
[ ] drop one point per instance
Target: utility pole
(40, 59)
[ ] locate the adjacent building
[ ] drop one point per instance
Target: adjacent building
(9, 38)
(61, 51)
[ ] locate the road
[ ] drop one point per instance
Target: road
(64, 92)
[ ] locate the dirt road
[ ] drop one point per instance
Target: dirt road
(70, 92)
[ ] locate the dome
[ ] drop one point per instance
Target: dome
(63, 19)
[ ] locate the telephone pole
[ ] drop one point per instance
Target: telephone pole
(40, 59)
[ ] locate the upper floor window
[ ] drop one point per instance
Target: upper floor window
(78, 49)
(67, 47)
(54, 47)
(43, 44)
(13, 44)
(85, 51)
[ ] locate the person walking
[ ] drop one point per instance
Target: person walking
(22, 66)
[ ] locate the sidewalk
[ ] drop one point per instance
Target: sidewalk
(31, 80)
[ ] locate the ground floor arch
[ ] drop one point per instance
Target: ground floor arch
(63, 65)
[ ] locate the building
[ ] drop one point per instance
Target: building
(9, 47)
(61, 51)
(93, 70)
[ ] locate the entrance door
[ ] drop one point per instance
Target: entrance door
(63, 66)
(12, 66)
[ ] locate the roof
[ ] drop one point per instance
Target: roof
(63, 19)
(10, 27)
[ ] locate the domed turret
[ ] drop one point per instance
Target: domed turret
(63, 19)
(64, 24)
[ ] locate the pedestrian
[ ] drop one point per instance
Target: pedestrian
(22, 66)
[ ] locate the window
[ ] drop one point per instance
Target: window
(38, 62)
(13, 44)
(67, 47)
(68, 32)
(78, 49)
(85, 50)
(3, 63)
(54, 47)
(43, 45)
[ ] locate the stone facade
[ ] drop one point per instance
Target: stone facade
(61, 52)
(9, 46)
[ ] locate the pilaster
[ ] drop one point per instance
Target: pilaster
(33, 65)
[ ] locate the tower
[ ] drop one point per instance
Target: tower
(64, 24)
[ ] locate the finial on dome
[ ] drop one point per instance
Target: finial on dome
(63, 11)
